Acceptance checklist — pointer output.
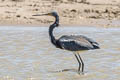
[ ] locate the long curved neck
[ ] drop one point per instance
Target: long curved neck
(51, 28)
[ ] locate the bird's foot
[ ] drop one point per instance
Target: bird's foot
(80, 73)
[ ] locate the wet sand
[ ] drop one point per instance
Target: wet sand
(102, 13)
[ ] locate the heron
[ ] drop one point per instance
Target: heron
(74, 43)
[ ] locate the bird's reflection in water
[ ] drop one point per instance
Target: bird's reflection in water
(66, 70)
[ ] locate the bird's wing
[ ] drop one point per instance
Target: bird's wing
(94, 43)
(75, 43)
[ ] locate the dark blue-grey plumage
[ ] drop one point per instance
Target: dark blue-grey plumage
(72, 43)
(77, 43)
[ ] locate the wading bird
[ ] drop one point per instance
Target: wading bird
(74, 43)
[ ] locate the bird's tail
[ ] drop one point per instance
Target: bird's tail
(96, 46)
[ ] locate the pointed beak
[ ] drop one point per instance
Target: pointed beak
(43, 14)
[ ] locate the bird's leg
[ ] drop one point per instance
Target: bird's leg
(81, 62)
(78, 62)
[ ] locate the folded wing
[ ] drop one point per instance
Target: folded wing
(77, 42)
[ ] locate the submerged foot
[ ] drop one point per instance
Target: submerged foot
(80, 73)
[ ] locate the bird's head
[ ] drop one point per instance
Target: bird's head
(49, 14)
(54, 14)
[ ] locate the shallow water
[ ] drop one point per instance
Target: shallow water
(27, 54)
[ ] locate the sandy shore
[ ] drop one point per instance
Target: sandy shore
(103, 13)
